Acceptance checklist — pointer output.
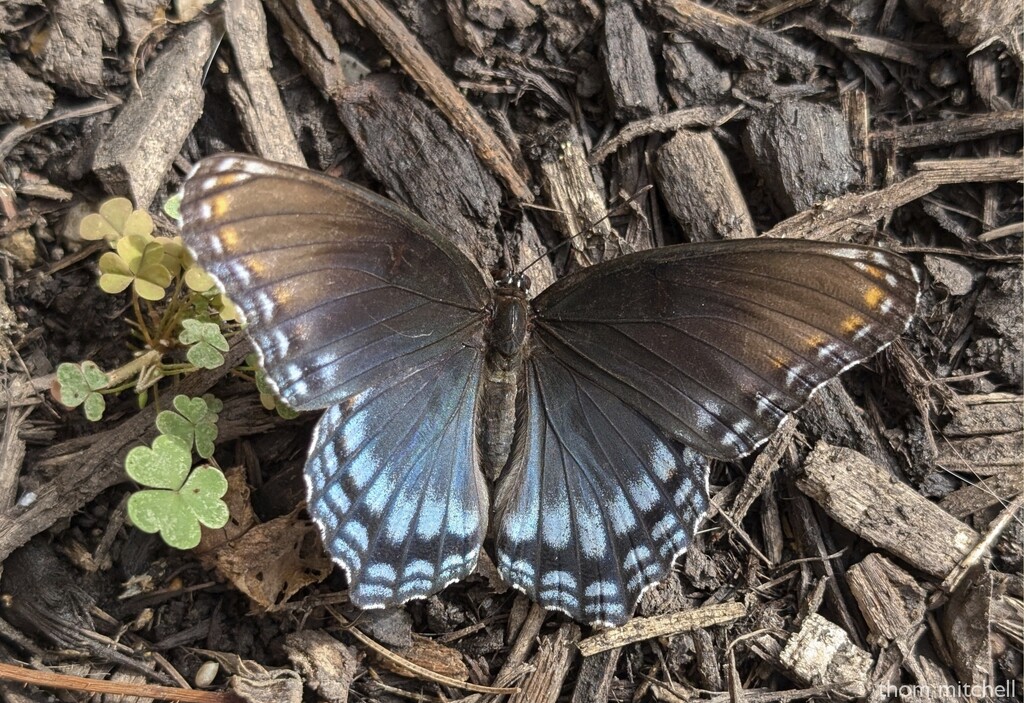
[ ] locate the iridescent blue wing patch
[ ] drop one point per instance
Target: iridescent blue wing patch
(596, 502)
(394, 485)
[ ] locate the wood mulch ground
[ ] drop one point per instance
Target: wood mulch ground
(872, 548)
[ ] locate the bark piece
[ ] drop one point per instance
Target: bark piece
(594, 681)
(555, 654)
(403, 45)
(326, 665)
(579, 202)
(72, 45)
(872, 503)
(890, 599)
(254, 93)
(314, 46)
(639, 629)
(424, 164)
(693, 78)
(979, 22)
(627, 58)
(950, 132)
(802, 152)
(700, 189)
(737, 39)
(23, 96)
(821, 654)
(966, 622)
(143, 140)
(994, 490)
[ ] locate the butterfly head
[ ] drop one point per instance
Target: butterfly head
(511, 283)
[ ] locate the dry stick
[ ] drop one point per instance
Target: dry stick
(421, 672)
(995, 529)
(952, 131)
(828, 219)
(403, 45)
(639, 629)
(669, 122)
(10, 672)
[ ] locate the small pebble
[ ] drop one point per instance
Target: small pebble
(206, 674)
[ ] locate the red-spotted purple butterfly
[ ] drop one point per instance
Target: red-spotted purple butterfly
(625, 377)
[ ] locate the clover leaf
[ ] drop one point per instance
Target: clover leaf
(117, 218)
(194, 422)
(139, 262)
(78, 384)
(205, 342)
(177, 513)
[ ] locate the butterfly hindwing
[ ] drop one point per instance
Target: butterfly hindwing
(596, 502)
(406, 533)
(340, 288)
(717, 343)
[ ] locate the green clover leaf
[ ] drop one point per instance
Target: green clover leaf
(117, 218)
(78, 384)
(139, 262)
(205, 342)
(194, 422)
(177, 514)
(164, 465)
(172, 206)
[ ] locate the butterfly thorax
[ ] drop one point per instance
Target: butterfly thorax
(507, 337)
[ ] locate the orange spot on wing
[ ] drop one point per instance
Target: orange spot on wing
(816, 340)
(874, 297)
(874, 271)
(255, 266)
(852, 323)
(218, 206)
(282, 296)
(228, 238)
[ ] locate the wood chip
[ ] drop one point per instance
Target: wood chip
(890, 599)
(254, 91)
(872, 503)
(639, 629)
(140, 145)
(555, 654)
(700, 189)
(632, 77)
(822, 654)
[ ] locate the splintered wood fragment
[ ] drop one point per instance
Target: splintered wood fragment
(595, 677)
(97, 463)
(801, 151)
(555, 653)
(874, 504)
(578, 202)
(631, 73)
(979, 22)
(317, 50)
(830, 219)
(700, 189)
(952, 131)
(254, 93)
(669, 122)
(403, 45)
(66, 682)
(994, 490)
(139, 146)
(890, 599)
(737, 39)
(967, 622)
(765, 466)
(822, 654)
(639, 629)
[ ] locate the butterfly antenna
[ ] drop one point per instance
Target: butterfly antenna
(589, 228)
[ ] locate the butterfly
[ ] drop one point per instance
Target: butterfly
(626, 378)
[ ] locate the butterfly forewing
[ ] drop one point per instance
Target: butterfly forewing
(717, 343)
(358, 306)
(341, 289)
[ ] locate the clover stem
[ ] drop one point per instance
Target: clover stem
(133, 368)
(140, 319)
